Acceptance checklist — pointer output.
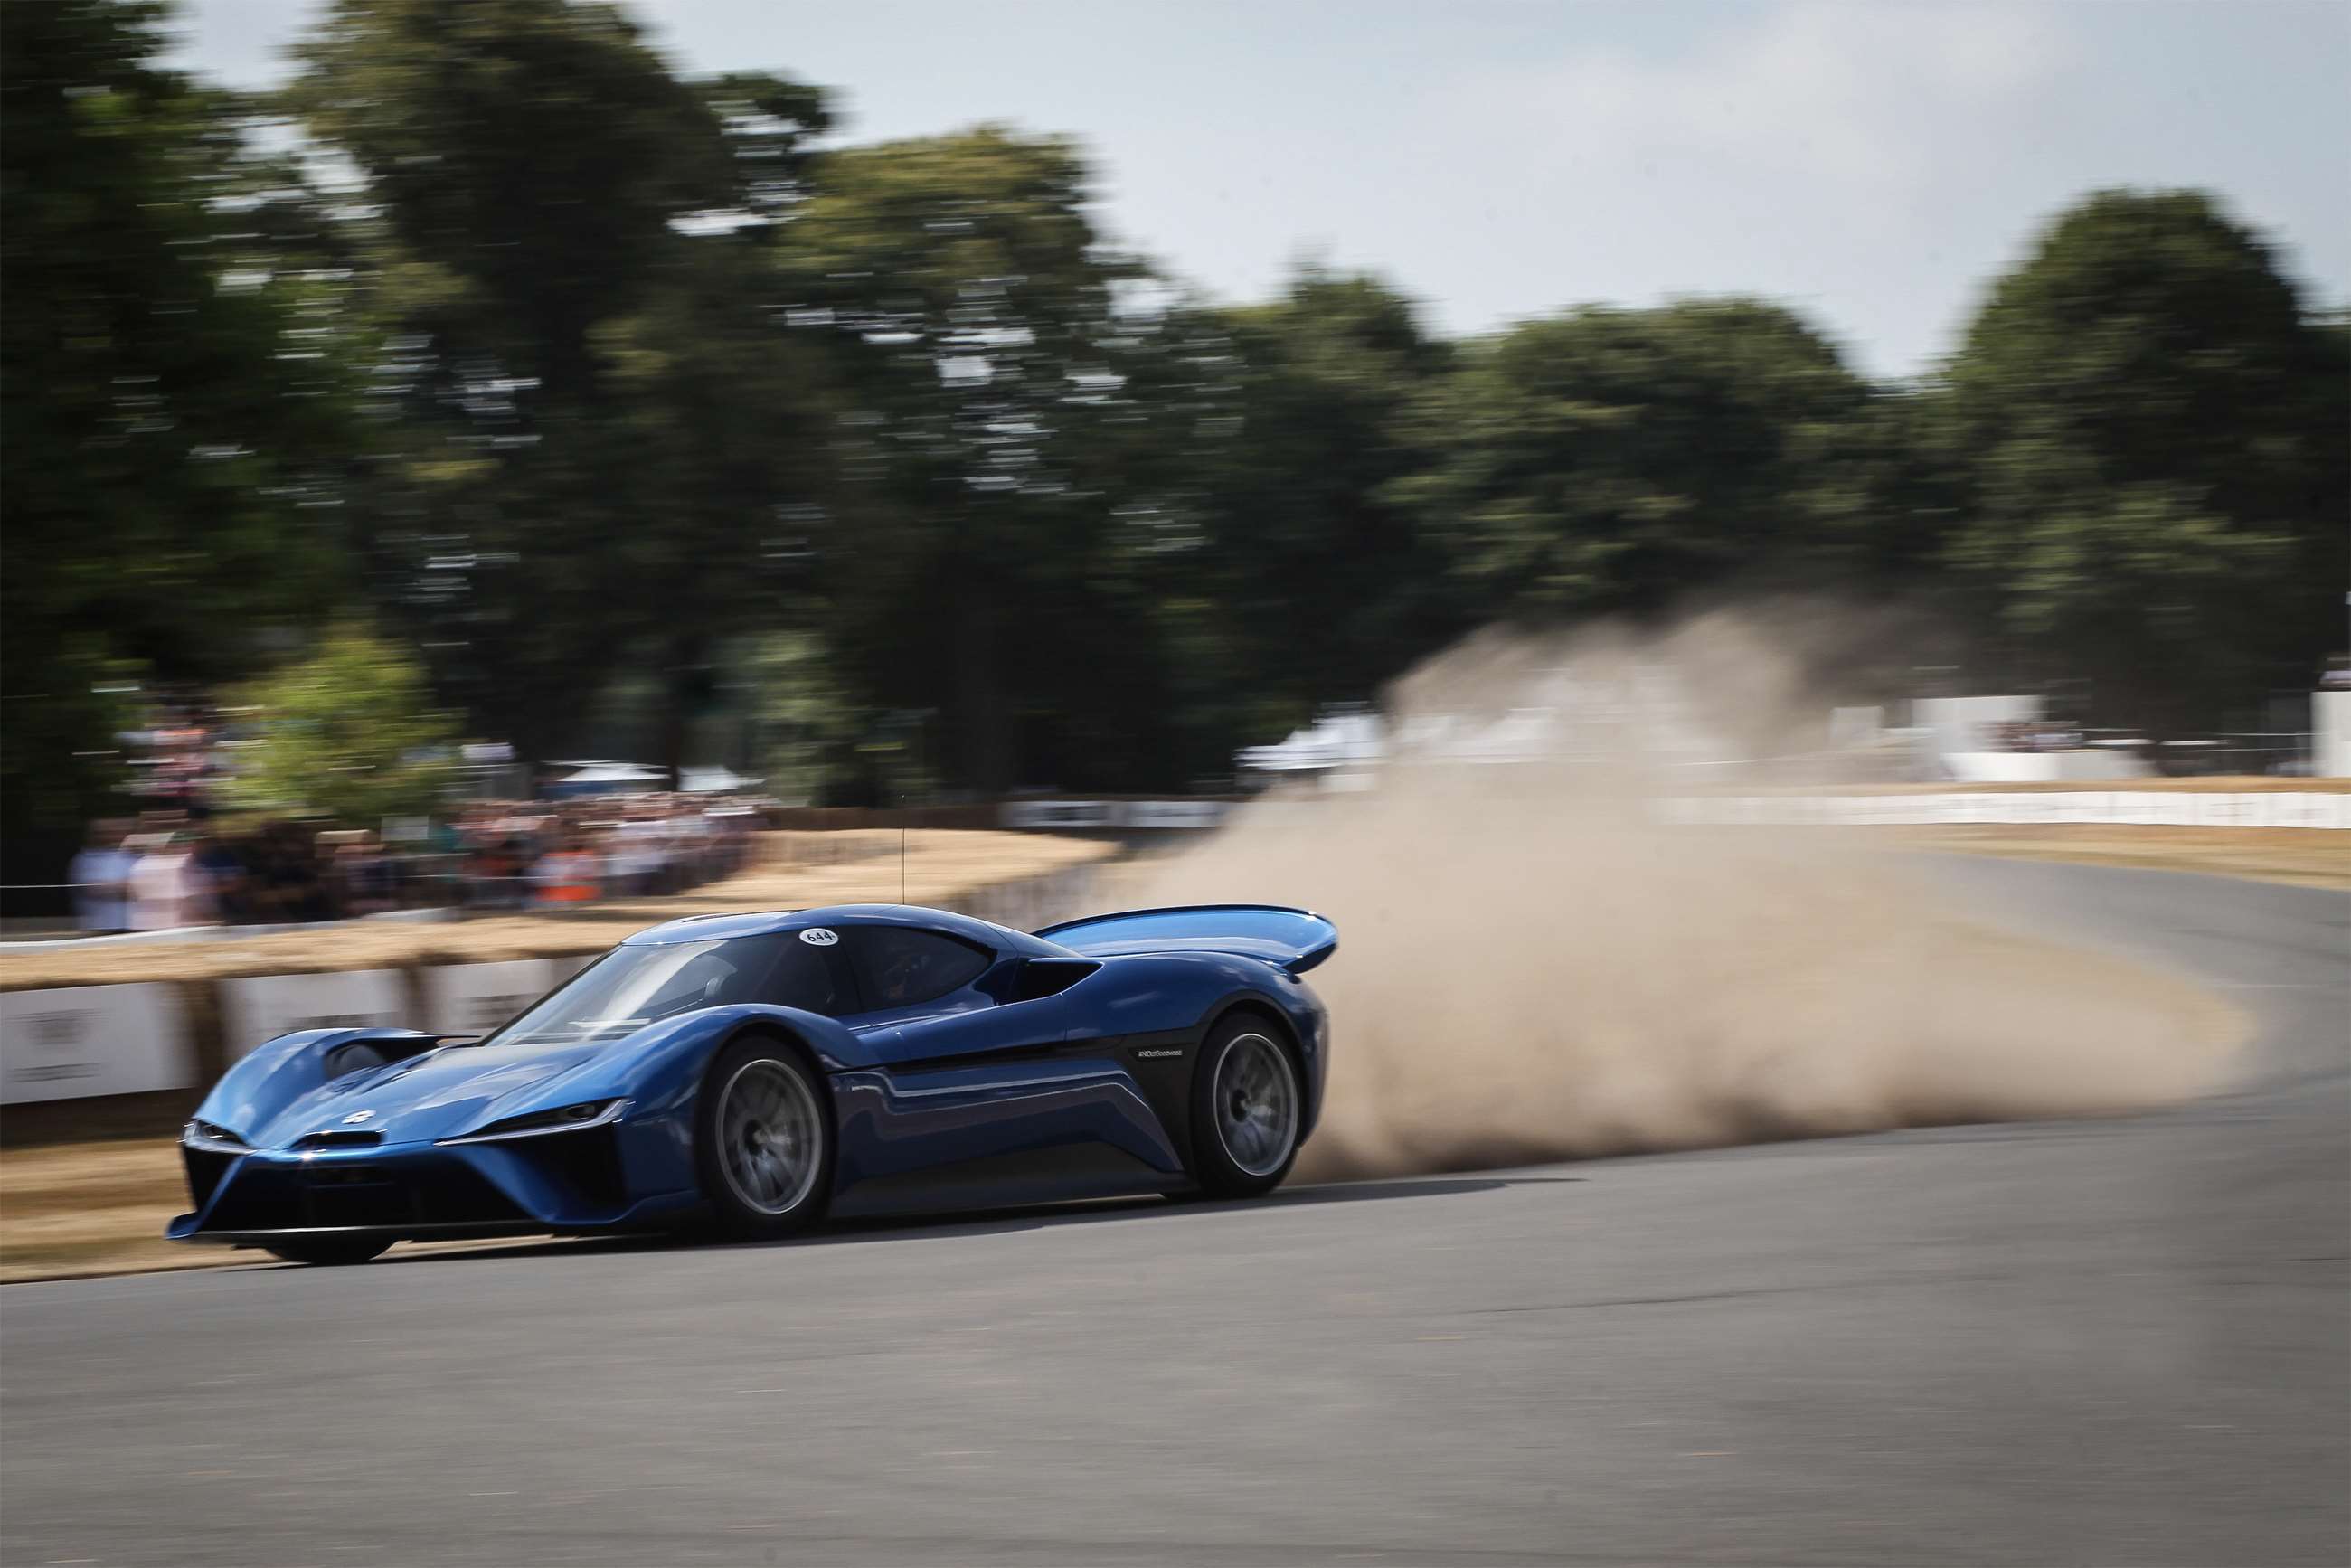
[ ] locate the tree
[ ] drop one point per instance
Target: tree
(2155, 436)
(175, 430)
(1317, 584)
(1615, 460)
(348, 729)
(598, 446)
(999, 502)
(535, 151)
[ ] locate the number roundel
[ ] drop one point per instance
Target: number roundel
(818, 936)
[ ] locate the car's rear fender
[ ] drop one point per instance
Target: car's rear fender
(1304, 1025)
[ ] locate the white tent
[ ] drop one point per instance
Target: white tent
(716, 780)
(610, 779)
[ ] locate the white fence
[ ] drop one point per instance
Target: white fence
(1051, 815)
(2141, 808)
(2126, 808)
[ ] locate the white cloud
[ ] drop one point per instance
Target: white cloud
(1863, 162)
(1867, 97)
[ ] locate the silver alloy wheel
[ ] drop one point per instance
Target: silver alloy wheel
(770, 1136)
(1254, 1094)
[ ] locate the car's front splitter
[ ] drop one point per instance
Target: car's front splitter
(419, 1190)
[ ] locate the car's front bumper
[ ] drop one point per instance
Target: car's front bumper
(600, 1179)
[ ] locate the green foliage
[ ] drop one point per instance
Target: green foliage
(595, 422)
(1320, 585)
(806, 724)
(1614, 460)
(175, 429)
(2154, 436)
(536, 151)
(995, 511)
(348, 729)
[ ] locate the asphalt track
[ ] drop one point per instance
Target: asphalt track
(2119, 1342)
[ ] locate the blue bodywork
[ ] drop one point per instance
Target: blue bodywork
(1061, 1069)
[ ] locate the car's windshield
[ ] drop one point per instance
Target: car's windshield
(633, 986)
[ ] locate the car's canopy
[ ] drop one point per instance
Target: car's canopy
(986, 932)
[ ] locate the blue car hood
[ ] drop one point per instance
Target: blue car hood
(438, 1094)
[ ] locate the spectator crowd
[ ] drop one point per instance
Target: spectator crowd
(172, 869)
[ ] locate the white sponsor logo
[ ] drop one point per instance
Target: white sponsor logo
(1148, 1055)
(358, 1116)
(818, 936)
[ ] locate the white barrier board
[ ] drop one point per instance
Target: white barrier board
(1174, 813)
(83, 1040)
(2153, 808)
(263, 1007)
(1186, 814)
(2330, 722)
(1060, 814)
(474, 998)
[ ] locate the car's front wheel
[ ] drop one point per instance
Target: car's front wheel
(1246, 1108)
(763, 1140)
(328, 1250)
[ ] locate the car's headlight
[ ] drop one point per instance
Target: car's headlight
(212, 1140)
(541, 1123)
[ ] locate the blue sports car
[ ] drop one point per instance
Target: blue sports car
(750, 1072)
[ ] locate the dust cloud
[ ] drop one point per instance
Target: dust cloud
(1533, 965)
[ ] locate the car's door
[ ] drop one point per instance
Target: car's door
(968, 1077)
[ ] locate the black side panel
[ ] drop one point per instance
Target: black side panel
(1162, 1064)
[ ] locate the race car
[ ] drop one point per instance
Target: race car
(749, 1073)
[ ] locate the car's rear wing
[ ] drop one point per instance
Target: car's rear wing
(1294, 939)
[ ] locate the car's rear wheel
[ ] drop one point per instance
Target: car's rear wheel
(330, 1249)
(1246, 1108)
(763, 1140)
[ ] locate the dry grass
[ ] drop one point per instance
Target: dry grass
(796, 871)
(92, 1208)
(2220, 784)
(2304, 857)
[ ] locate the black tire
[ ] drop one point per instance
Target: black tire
(328, 1250)
(1228, 1160)
(763, 1185)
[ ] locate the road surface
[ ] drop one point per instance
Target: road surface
(2116, 1342)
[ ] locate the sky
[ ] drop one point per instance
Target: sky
(1871, 162)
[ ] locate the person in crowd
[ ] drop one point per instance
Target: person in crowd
(286, 885)
(568, 872)
(485, 854)
(493, 870)
(220, 873)
(362, 876)
(101, 875)
(165, 891)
